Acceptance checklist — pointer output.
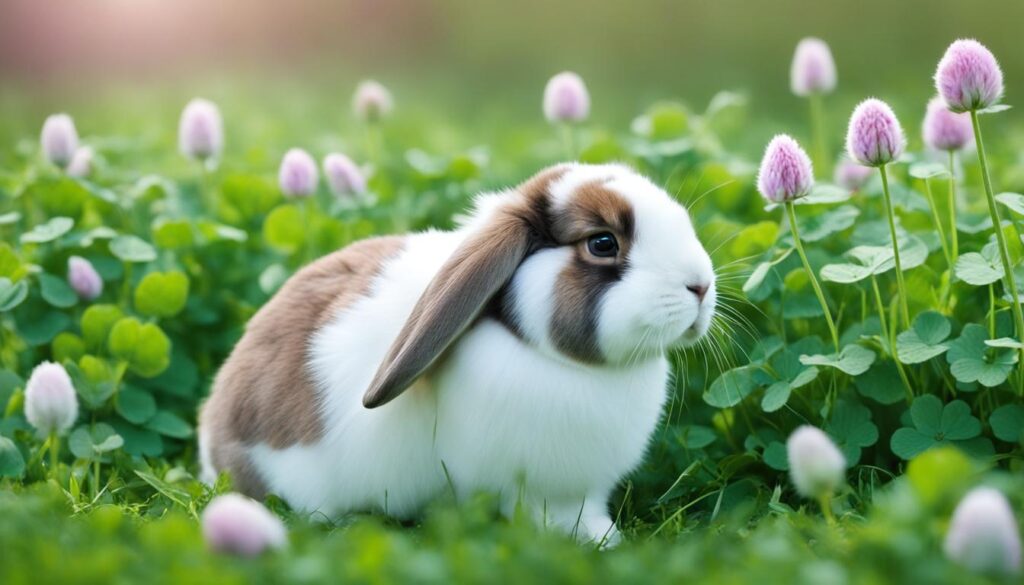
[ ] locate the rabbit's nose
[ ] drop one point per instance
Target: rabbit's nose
(698, 289)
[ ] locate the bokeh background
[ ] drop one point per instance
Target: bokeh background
(115, 63)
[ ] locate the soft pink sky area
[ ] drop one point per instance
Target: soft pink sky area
(48, 39)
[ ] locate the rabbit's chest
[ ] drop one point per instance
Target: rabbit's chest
(508, 414)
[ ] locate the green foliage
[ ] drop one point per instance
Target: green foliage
(925, 339)
(283, 228)
(12, 294)
(49, 231)
(97, 321)
(56, 291)
(162, 294)
(980, 269)
(188, 255)
(92, 443)
(936, 424)
(875, 260)
(852, 359)
(132, 249)
(12, 464)
(972, 360)
(145, 348)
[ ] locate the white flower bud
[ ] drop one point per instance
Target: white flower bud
(816, 465)
(59, 139)
(983, 534)
(51, 405)
(240, 526)
(201, 130)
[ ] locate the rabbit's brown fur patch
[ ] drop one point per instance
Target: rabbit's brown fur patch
(591, 210)
(264, 393)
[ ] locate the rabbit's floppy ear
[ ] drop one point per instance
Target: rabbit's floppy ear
(476, 271)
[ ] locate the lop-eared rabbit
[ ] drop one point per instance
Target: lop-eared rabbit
(523, 353)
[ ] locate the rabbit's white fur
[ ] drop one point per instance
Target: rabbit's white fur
(500, 412)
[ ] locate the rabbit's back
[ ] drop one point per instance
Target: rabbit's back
(285, 413)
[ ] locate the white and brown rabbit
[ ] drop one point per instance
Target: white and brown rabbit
(522, 354)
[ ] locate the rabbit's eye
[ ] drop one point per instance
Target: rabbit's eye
(603, 245)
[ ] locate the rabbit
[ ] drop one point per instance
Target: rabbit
(523, 354)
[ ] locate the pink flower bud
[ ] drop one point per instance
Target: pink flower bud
(566, 98)
(875, 136)
(201, 130)
(51, 405)
(813, 69)
(983, 534)
(343, 175)
(851, 175)
(81, 163)
(968, 77)
(298, 175)
(785, 172)
(946, 130)
(816, 465)
(59, 139)
(240, 526)
(83, 278)
(372, 101)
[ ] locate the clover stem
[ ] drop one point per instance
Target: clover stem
(902, 289)
(373, 141)
(95, 479)
(825, 501)
(890, 335)
(938, 223)
(818, 133)
(54, 453)
(790, 210)
(997, 225)
(568, 141)
(952, 210)
(991, 311)
(204, 188)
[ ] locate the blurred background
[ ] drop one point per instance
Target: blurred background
(474, 61)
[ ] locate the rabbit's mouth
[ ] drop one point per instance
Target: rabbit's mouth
(697, 329)
(691, 336)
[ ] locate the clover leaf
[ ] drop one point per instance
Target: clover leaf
(787, 374)
(1007, 423)
(12, 294)
(853, 360)
(881, 383)
(55, 291)
(875, 260)
(938, 424)
(731, 387)
(12, 463)
(927, 170)
(134, 405)
(284, 228)
(162, 294)
(132, 249)
(92, 443)
(971, 360)
(924, 340)
(819, 227)
(1013, 201)
(851, 427)
(144, 346)
(49, 231)
(979, 269)
(771, 446)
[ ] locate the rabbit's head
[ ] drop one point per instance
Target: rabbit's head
(589, 263)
